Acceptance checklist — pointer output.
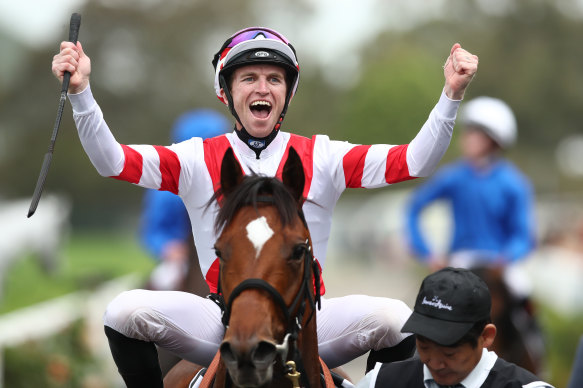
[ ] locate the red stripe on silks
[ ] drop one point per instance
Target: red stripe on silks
(397, 169)
(353, 164)
(169, 169)
(305, 149)
(132, 167)
(212, 276)
(214, 151)
(322, 286)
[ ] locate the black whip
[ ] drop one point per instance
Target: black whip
(73, 33)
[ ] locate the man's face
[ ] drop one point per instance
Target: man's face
(476, 144)
(448, 365)
(258, 93)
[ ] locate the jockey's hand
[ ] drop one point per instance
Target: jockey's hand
(71, 58)
(459, 70)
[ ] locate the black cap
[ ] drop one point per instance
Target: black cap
(449, 303)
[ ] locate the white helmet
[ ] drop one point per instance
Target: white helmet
(493, 116)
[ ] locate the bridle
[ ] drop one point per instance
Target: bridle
(294, 313)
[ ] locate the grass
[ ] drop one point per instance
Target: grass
(63, 360)
(89, 258)
(562, 338)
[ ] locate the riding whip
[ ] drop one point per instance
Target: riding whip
(73, 33)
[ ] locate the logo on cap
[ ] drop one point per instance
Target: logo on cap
(436, 302)
(261, 54)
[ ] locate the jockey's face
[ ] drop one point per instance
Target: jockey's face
(258, 93)
(477, 145)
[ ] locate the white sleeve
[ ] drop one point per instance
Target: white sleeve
(428, 147)
(103, 150)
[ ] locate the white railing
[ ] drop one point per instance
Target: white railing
(48, 318)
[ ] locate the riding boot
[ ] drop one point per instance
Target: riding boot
(401, 351)
(137, 361)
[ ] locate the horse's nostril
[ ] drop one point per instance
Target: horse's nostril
(261, 356)
(227, 353)
(264, 354)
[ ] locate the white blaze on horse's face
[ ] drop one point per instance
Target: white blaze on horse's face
(258, 232)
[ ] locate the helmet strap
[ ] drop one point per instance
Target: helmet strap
(230, 104)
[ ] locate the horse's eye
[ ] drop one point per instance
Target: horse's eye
(298, 252)
(217, 253)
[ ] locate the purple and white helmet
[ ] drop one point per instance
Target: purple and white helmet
(255, 45)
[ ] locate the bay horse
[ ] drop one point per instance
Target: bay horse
(268, 284)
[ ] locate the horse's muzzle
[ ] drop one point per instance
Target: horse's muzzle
(249, 364)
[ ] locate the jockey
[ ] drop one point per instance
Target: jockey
(256, 75)
(491, 200)
(492, 209)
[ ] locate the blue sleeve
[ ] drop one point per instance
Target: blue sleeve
(435, 188)
(164, 219)
(521, 223)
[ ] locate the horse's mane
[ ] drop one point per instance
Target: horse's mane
(255, 189)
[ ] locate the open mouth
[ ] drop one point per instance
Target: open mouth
(260, 109)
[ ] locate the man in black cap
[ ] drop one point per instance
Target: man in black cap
(451, 321)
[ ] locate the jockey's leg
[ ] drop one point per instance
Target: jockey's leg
(182, 323)
(137, 361)
(352, 325)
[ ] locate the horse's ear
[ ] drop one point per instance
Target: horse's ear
(293, 175)
(231, 173)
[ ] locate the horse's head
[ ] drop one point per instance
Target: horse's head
(266, 265)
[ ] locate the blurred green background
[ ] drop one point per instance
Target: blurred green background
(371, 72)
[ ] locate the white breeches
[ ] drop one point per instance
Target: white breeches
(190, 326)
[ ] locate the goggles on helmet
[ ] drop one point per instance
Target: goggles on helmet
(256, 45)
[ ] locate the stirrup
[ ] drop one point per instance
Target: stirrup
(197, 379)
